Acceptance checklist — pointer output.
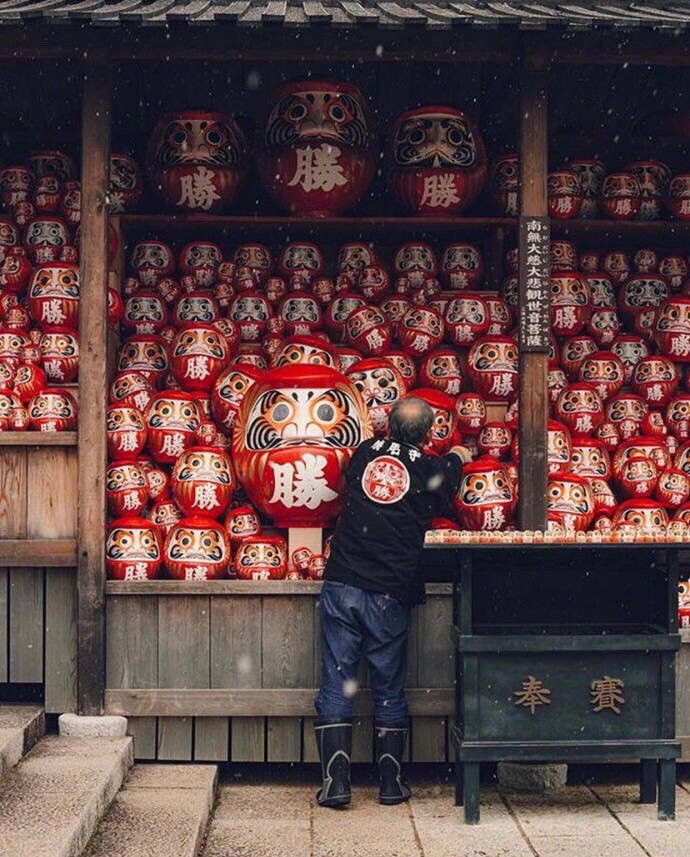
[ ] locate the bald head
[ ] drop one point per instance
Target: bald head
(410, 419)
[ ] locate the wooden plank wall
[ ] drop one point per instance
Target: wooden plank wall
(38, 638)
(250, 641)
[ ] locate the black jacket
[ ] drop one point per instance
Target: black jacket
(393, 492)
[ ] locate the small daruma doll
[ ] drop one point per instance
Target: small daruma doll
(435, 161)
(485, 498)
(637, 475)
(672, 329)
(420, 330)
(126, 488)
(442, 370)
(462, 267)
(197, 548)
(228, 391)
(559, 446)
(242, 521)
(54, 295)
(133, 549)
(203, 481)
(572, 498)
(492, 366)
(53, 409)
(642, 514)
(673, 487)
(495, 439)
(470, 413)
(571, 302)
(172, 421)
(580, 408)
(466, 318)
(367, 329)
(261, 557)
(199, 352)
(318, 154)
(60, 354)
(605, 371)
(295, 433)
(656, 380)
(126, 432)
(590, 458)
(626, 411)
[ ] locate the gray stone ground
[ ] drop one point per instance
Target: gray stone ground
(598, 817)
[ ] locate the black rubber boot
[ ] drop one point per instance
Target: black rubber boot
(334, 741)
(390, 746)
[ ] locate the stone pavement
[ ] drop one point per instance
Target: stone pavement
(598, 817)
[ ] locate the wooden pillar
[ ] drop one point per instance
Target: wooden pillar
(534, 242)
(93, 387)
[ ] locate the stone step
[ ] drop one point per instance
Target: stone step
(54, 798)
(20, 727)
(161, 811)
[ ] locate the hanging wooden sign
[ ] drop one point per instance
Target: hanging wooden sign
(534, 284)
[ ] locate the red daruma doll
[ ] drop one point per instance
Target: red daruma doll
(133, 549)
(492, 366)
(318, 154)
(295, 433)
(203, 481)
(261, 558)
(485, 498)
(197, 548)
(435, 161)
(571, 497)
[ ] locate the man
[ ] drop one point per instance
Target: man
(370, 582)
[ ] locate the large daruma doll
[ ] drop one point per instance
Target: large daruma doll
(197, 160)
(295, 433)
(318, 154)
(435, 161)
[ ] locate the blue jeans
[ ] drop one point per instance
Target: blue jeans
(355, 623)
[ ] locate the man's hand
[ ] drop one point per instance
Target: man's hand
(463, 453)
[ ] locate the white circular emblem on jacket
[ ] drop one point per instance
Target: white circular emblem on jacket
(385, 480)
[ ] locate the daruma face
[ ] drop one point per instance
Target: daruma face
(197, 548)
(571, 497)
(492, 365)
(470, 412)
(261, 558)
(580, 408)
(295, 433)
(203, 481)
(435, 161)
(645, 514)
(380, 386)
(558, 446)
(486, 497)
(133, 550)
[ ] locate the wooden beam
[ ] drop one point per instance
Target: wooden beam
(37, 553)
(256, 702)
(251, 588)
(533, 401)
(36, 438)
(93, 384)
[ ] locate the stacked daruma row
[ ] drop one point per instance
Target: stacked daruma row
(39, 293)
(619, 443)
(274, 380)
(317, 155)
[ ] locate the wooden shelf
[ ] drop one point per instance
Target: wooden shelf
(38, 438)
(140, 223)
(51, 553)
(232, 587)
(670, 231)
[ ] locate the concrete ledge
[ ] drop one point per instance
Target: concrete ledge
(162, 811)
(20, 727)
(53, 800)
(77, 726)
(521, 777)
